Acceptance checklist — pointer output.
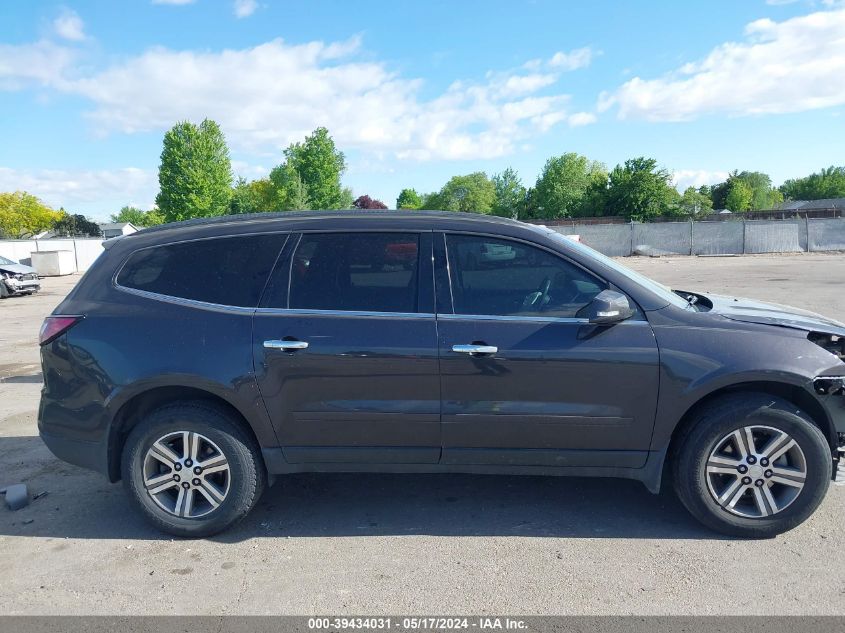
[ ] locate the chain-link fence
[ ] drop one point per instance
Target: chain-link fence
(713, 238)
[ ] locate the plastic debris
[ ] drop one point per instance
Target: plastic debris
(17, 496)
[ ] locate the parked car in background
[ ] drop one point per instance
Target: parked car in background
(17, 279)
(197, 360)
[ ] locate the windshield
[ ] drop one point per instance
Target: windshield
(657, 288)
(5, 261)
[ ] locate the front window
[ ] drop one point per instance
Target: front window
(6, 262)
(498, 277)
(657, 288)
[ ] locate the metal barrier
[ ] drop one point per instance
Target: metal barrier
(733, 237)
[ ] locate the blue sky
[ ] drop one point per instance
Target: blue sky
(415, 92)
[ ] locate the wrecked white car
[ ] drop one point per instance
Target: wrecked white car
(17, 279)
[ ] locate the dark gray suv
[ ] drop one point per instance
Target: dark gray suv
(196, 361)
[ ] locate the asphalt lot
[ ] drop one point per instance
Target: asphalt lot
(409, 544)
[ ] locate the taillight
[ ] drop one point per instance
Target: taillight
(55, 326)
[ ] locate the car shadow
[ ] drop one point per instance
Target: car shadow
(31, 379)
(81, 504)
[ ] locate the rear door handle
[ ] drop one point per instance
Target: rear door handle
(287, 346)
(475, 349)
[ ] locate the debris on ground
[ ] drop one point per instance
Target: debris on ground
(17, 496)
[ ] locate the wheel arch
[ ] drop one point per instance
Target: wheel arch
(791, 393)
(139, 405)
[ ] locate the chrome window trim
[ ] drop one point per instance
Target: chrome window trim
(188, 303)
(525, 318)
(217, 307)
(344, 313)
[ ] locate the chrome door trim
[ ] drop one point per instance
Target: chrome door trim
(535, 319)
(190, 303)
(345, 313)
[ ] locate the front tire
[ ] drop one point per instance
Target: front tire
(191, 470)
(752, 465)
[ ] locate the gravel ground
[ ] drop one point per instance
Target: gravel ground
(409, 544)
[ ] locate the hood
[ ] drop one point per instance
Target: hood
(751, 311)
(17, 269)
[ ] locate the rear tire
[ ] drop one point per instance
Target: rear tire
(224, 480)
(731, 475)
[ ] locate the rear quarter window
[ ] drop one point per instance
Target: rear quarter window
(228, 270)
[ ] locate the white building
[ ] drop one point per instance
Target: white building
(116, 229)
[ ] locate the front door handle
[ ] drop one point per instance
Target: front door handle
(475, 349)
(287, 346)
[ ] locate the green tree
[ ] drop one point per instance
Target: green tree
(244, 198)
(23, 215)
(473, 192)
(694, 203)
(289, 191)
(254, 196)
(827, 183)
(568, 186)
(76, 225)
(195, 176)
(763, 195)
(409, 199)
(138, 217)
(510, 194)
(319, 165)
(346, 198)
(740, 196)
(640, 190)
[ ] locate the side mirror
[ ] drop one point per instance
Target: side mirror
(608, 307)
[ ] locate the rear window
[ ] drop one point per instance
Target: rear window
(371, 272)
(227, 271)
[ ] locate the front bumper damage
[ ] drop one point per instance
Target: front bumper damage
(830, 390)
(20, 283)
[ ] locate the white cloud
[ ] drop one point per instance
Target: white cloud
(581, 118)
(573, 60)
(42, 62)
(564, 62)
(81, 190)
(269, 95)
(245, 8)
(683, 178)
(69, 26)
(788, 66)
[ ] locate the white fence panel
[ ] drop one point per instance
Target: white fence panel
(85, 250)
(17, 250)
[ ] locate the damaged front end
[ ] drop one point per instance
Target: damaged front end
(15, 283)
(831, 392)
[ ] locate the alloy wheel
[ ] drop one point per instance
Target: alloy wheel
(186, 474)
(756, 471)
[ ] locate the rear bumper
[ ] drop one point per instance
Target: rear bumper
(90, 455)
